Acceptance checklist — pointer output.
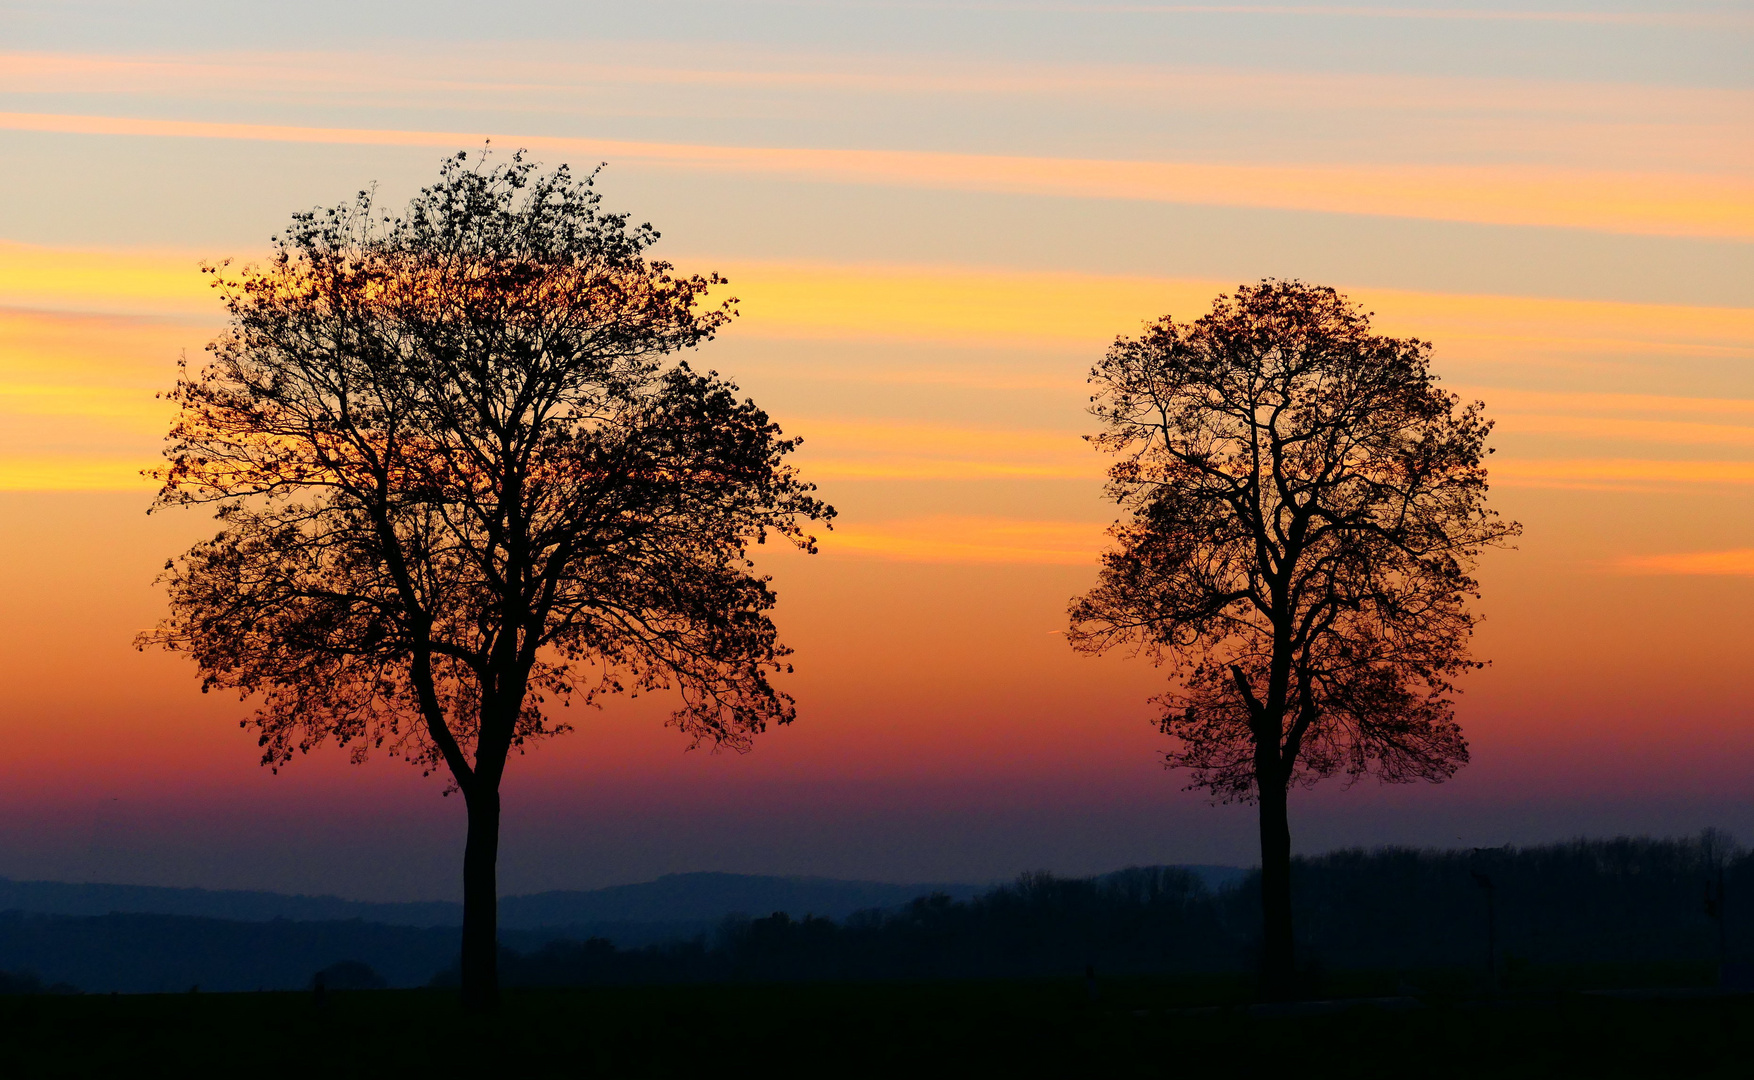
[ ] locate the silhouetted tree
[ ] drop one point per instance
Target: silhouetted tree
(1305, 509)
(458, 472)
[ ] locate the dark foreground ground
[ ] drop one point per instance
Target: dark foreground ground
(1184, 1027)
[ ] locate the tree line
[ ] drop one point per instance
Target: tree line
(1421, 913)
(1418, 912)
(463, 474)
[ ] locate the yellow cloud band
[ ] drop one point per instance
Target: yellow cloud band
(970, 540)
(87, 380)
(1617, 473)
(74, 473)
(963, 305)
(978, 305)
(1738, 563)
(1656, 203)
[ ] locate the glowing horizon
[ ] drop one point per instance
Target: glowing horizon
(936, 216)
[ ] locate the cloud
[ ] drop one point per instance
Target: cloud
(1692, 19)
(976, 305)
(1624, 429)
(953, 539)
(1598, 403)
(1616, 473)
(838, 449)
(964, 305)
(158, 283)
(78, 410)
(86, 380)
(1669, 204)
(969, 306)
(1737, 563)
(489, 73)
(74, 473)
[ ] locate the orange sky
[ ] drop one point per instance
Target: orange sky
(932, 241)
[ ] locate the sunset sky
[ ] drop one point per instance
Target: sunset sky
(936, 216)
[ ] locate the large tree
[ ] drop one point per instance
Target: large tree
(460, 472)
(1304, 509)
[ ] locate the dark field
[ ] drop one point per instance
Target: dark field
(1135, 1027)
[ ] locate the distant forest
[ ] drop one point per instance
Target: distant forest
(1586, 902)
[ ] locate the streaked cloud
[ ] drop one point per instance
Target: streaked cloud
(94, 375)
(980, 304)
(1656, 203)
(115, 282)
(94, 354)
(60, 399)
(78, 410)
(839, 449)
(952, 539)
(1627, 429)
(1537, 319)
(1701, 19)
(74, 473)
(1677, 421)
(951, 303)
(964, 304)
(1624, 474)
(1597, 403)
(486, 71)
(1736, 563)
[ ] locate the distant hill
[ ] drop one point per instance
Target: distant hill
(671, 899)
(712, 896)
(135, 953)
(1623, 901)
(673, 906)
(1215, 878)
(141, 939)
(68, 898)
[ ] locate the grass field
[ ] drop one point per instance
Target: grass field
(1134, 1028)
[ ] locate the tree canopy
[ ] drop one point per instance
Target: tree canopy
(1306, 506)
(417, 426)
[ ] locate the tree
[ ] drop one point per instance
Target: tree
(1305, 507)
(460, 473)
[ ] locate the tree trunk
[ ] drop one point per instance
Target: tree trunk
(1278, 957)
(481, 903)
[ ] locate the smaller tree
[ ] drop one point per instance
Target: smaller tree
(1306, 506)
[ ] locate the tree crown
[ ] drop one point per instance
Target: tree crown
(1305, 507)
(459, 468)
